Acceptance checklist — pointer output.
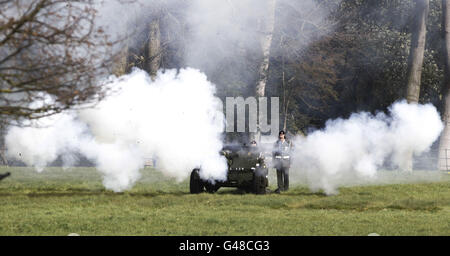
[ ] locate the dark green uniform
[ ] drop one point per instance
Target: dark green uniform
(282, 162)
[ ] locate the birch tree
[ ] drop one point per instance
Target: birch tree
(266, 28)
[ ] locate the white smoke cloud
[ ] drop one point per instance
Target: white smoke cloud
(352, 149)
(176, 118)
(42, 142)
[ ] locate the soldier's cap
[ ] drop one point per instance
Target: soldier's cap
(281, 132)
(253, 142)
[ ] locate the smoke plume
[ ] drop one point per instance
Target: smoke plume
(176, 119)
(352, 149)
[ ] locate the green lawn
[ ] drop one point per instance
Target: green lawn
(59, 202)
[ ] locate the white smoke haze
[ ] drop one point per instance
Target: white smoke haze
(215, 31)
(347, 151)
(41, 142)
(176, 118)
(224, 29)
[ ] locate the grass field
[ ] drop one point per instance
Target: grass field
(59, 202)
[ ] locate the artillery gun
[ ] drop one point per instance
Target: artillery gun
(247, 170)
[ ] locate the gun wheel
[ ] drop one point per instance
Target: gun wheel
(260, 182)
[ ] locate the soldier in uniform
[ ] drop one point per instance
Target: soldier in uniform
(282, 161)
(254, 150)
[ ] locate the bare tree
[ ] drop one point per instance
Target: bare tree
(51, 54)
(416, 56)
(444, 143)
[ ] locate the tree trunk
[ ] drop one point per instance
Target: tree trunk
(415, 61)
(121, 66)
(416, 55)
(3, 156)
(154, 48)
(266, 29)
(444, 142)
(3, 146)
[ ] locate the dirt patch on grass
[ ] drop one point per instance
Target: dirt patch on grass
(356, 205)
(414, 205)
(361, 204)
